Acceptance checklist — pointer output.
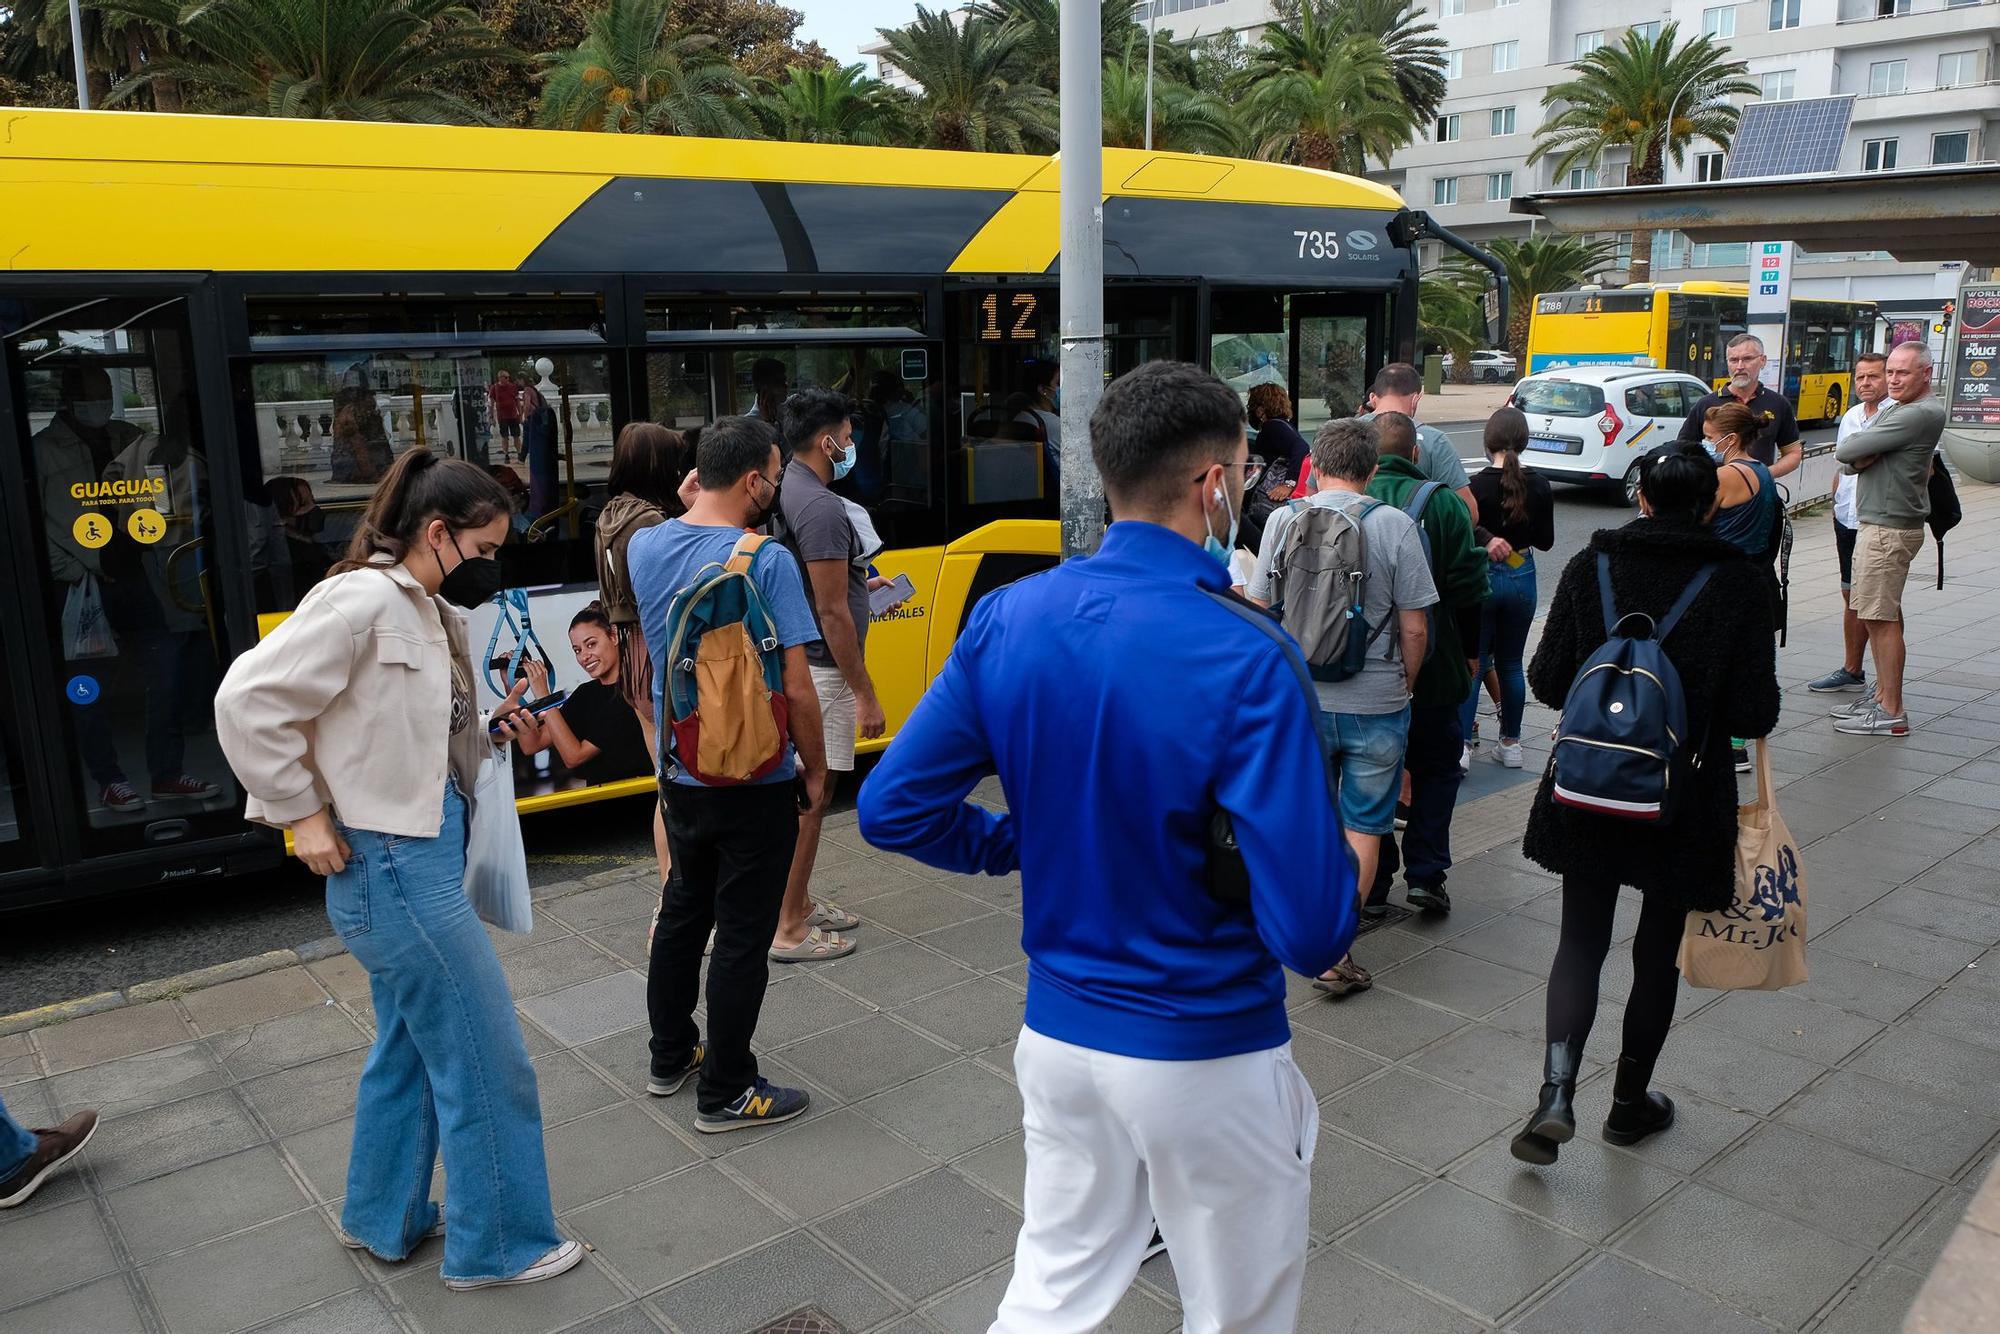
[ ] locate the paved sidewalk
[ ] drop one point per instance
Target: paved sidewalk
(1829, 1142)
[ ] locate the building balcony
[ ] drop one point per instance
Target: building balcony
(1860, 26)
(1957, 101)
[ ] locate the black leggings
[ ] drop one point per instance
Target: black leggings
(1589, 905)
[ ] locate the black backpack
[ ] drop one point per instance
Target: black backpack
(1946, 512)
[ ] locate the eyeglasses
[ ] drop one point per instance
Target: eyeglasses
(1250, 466)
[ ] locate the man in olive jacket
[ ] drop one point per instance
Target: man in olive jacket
(1458, 568)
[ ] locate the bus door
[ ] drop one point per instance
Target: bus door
(1336, 348)
(112, 564)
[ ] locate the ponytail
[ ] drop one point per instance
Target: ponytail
(1506, 433)
(421, 486)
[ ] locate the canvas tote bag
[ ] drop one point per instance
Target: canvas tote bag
(1758, 943)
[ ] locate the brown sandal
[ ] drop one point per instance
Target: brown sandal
(1344, 979)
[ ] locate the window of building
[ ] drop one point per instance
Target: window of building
(1451, 9)
(1887, 76)
(1784, 14)
(1957, 69)
(1583, 178)
(1506, 56)
(1647, 32)
(1708, 166)
(1454, 64)
(1719, 22)
(1447, 129)
(1505, 4)
(1878, 155)
(1586, 42)
(1444, 190)
(1959, 4)
(1501, 122)
(1885, 9)
(1500, 185)
(1779, 85)
(1949, 148)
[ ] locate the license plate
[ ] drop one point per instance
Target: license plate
(1549, 444)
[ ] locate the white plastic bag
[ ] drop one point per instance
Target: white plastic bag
(496, 860)
(86, 632)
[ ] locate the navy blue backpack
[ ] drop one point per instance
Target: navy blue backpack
(1619, 750)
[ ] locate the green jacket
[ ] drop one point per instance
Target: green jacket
(1458, 568)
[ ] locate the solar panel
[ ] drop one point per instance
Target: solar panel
(1796, 138)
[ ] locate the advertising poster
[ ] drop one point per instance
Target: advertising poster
(1975, 358)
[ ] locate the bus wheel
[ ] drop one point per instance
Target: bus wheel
(1631, 485)
(1833, 404)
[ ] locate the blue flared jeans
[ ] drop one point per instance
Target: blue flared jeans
(449, 1068)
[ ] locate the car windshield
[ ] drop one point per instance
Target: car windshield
(1559, 398)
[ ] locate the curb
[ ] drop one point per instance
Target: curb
(199, 979)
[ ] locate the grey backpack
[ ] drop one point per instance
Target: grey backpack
(1319, 571)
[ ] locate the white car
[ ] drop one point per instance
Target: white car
(1591, 424)
(1489, 365)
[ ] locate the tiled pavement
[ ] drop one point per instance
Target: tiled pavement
(1829, 1141)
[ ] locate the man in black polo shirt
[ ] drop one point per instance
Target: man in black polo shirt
(1776, 445)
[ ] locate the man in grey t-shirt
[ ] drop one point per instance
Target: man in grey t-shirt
(1399, 388)
(1364, 720)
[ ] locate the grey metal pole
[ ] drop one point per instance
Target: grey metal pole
(76, 50)
(1152, 22)
(1081, 180)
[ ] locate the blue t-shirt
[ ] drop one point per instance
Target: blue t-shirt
(663, 559)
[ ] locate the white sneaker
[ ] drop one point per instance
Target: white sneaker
(1853, 708)
(1465, 759)
(558, 1261)
(1510, 754)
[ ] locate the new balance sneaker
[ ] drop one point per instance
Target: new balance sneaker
(1838, 681)
(762, 1104)
(1853, 707)
(1429, 899)
(666, 1084)
(558, 1261)
(1873, 721)
(185, 785)
(121, 796)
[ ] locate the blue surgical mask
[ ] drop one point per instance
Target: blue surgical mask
(844, 464)
(1714, 451)
(1221, 550)
(1055, 398)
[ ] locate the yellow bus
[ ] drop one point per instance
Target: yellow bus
(1686, 327)
(215, 333)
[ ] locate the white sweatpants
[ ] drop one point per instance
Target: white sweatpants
(1218, 1152)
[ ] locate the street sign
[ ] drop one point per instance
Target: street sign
(1770, 304)
(1975, 358)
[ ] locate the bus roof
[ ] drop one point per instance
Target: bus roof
(138, 191)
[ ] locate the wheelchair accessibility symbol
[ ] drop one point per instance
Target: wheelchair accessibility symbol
(91, 531)
(82, 690)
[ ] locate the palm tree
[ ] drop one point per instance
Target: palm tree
(1041, 44)
(1450, 315)
(1334, 117)
(1184, 121)
(324, 59)
(1535, 264)
(832, 105)
(1622, 97)
(631, 75)
(1310, 35)
(978, 92)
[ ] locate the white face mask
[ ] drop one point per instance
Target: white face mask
(92, 412)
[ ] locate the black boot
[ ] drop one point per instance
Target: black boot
(1554, 1120)
(1635, 1113)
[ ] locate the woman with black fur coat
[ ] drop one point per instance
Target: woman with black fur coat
(1723, 649)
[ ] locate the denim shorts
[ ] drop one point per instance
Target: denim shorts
(1364, 752)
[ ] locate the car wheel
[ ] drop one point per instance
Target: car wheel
(1630, 486)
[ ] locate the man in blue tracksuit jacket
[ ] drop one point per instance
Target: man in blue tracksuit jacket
(1121, 703)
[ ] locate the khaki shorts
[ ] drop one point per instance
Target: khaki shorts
(1882, 559)
(837, 717)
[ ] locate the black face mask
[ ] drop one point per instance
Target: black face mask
(770, 507)
(472, 582)
(312, 521)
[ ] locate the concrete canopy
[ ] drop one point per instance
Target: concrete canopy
(1929, 215)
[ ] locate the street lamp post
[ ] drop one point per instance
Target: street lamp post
(1081, 185)
(76, 50)
(1152, 22)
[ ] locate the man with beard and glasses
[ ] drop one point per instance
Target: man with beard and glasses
(732, 845)
(1776, 445)
(1155, 1063)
